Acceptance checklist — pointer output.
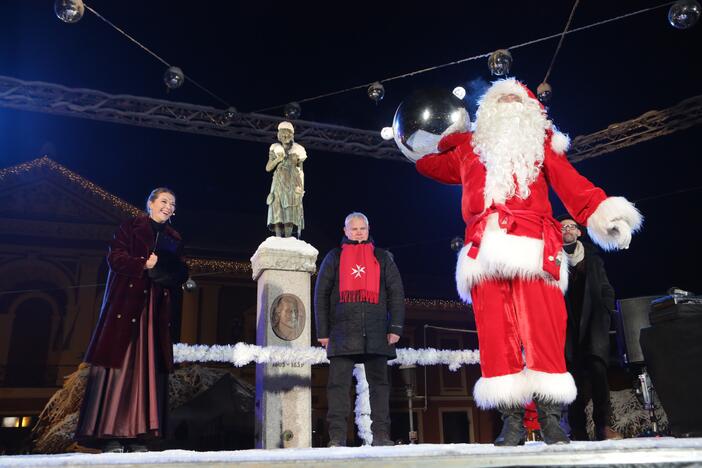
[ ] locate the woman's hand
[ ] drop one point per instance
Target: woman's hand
(151, 262)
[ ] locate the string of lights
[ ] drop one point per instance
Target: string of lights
(680, 15)
(176, 74)
(560, 41)
(467, 59)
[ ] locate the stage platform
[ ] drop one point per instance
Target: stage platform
(664, 451)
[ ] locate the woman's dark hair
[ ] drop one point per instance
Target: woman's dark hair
(155, 193)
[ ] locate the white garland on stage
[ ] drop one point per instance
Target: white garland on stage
(242, 354)
(362, 409)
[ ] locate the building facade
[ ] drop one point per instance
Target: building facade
(54, 229)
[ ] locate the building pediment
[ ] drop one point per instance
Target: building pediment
(43, 190)
(44, 200)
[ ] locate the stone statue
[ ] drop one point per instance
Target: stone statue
(285, 214)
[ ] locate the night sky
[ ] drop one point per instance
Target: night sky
(260, 54)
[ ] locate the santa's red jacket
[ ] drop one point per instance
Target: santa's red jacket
(520, 238)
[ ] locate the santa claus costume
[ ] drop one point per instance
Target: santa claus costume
(512, 267)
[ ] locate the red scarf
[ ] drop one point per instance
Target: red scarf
(359, 274)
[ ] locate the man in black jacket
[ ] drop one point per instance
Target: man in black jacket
(360, 309)
(590, 303)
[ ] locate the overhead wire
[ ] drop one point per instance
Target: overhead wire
(560, 41)
(154, 54)
(467, 59)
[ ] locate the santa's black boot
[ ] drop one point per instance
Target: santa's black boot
(513, 432)
(549, 420)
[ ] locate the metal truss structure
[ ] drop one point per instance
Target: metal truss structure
(182, 117)
(168, 115)
(652, 124)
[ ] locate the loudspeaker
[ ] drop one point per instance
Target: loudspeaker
(673, 352)
(630, 317)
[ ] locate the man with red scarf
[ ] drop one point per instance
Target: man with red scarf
(359, 306)
(512, 266)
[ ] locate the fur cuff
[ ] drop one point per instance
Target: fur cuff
(502, 391)
(551, 388)
(506, 256)
(608, 215)
(560, 142)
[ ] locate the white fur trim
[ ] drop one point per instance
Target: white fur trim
(503, 255)
(560, 142)
(502, 391)
(552, 388)
(505, 86)
(613, 222)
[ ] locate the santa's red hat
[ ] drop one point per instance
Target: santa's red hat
(508, 86)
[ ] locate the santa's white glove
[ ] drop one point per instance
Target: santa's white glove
(620, 232)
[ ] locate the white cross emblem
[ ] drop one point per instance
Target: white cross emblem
(358, 271)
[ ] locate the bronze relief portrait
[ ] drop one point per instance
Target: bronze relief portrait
(287, 317)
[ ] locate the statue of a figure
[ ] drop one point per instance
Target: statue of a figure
(285, 214)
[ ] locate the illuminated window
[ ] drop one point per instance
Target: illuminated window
(10, 422)
(17, 421)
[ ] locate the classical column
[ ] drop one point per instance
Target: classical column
(283, 267)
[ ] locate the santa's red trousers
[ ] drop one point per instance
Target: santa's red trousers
(516, 313)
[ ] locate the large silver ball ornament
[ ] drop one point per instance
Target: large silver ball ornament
(69, 11)
(424, 118)
(684, 14)
(173, 77)
(292, 111)
(500, 62)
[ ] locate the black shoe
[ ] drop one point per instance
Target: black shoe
(381, 439)
(112, 446)
(549, 420)
(513, 432)
(137, 447)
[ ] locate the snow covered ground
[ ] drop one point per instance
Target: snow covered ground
(654, 451)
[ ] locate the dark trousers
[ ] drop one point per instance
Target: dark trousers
(590, 375)
(339, 384)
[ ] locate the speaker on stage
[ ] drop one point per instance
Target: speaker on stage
(673, 353)
(629, 318)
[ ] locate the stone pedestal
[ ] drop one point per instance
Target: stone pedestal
(283, 268)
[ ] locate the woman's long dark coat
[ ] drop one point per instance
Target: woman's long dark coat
(346, 323)
(126, 295)
(591, 336)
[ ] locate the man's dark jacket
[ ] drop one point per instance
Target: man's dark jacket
(591, 335)
(359, 327)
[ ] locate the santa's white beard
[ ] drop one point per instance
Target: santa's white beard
(509, 140)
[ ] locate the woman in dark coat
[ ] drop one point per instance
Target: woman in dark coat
(130, 351)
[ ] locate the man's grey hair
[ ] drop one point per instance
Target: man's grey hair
(358, 215)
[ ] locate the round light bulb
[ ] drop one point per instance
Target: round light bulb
(387, 134)
(459, 92)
